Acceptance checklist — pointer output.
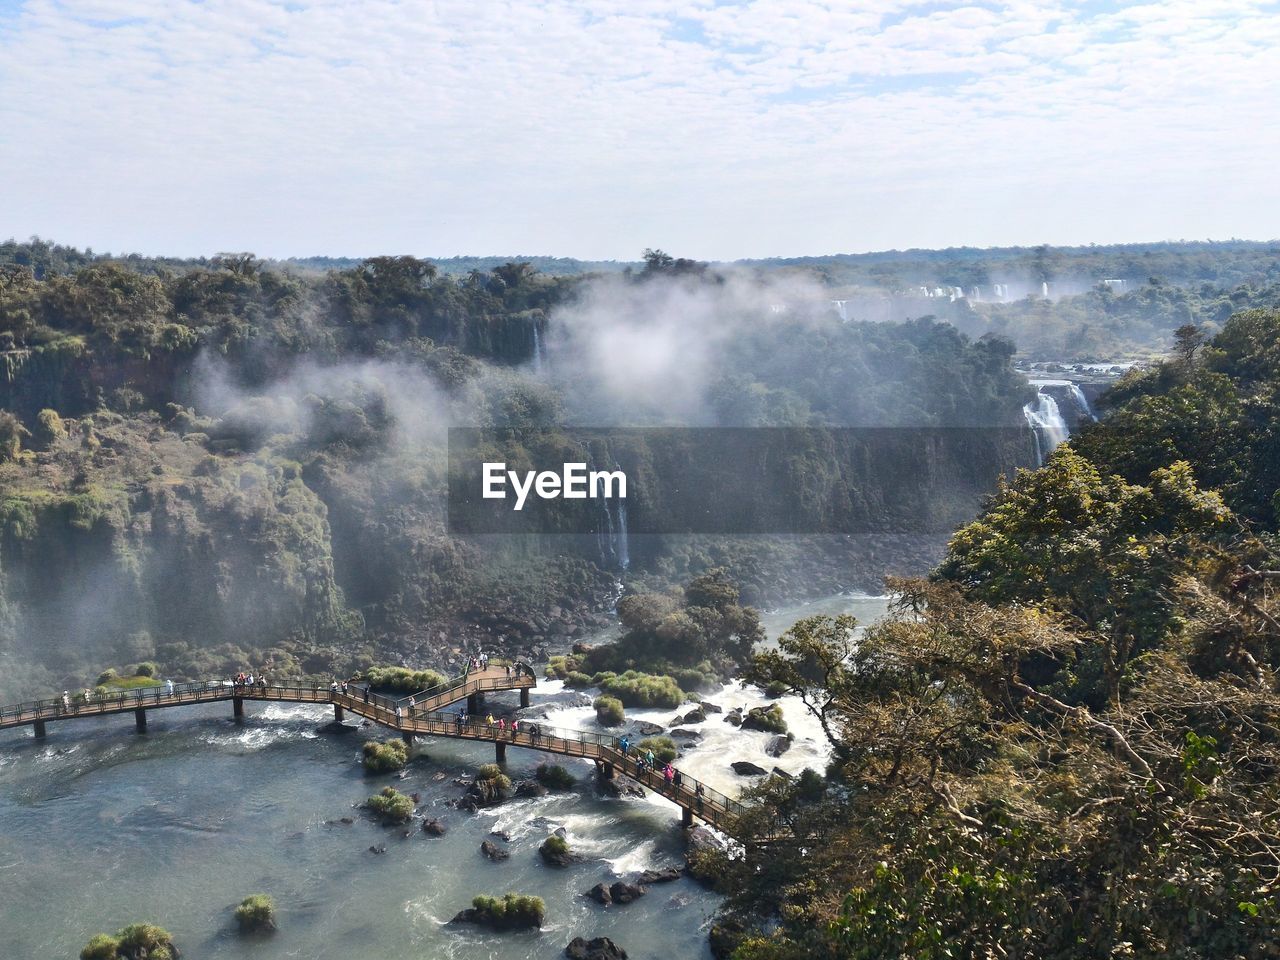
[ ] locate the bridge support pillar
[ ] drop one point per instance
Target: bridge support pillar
(473, 703)
(524, 696)
(237, 709)
(500, 749)
(606, 771)
(38, 727)
(140, 720)
(338, 713)
(686, 817)
(407, 737)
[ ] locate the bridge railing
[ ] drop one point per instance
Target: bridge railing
(462, 680)
(580, 743)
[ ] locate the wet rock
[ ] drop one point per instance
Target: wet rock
(779, 772)
(679, 733)
(340, 822)
(379, 848)
(646, 729)
(709, 707)
(700, 838)
(601, 948)
(530, 788)
(600, 894)
(734, 717)
(493, 851)
(696, 715)
(666, 875)
(745, 768)
(433, 828)
(501, 835)
(625, 892)
(620, 787)
(779, 745)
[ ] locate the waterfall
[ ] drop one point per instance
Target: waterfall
(1044, 290)
(840, 309)
(611, 536)
(537, 349)
(1046, 424)
(624, 547)
(1082, 400)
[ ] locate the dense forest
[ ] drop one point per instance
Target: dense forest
(1063, 743)
(211, 464)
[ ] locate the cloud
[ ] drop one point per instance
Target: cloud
(594, 128)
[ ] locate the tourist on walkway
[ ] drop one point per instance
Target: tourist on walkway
(168, 688)
(667, 774)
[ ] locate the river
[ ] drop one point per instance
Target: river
(100, 827)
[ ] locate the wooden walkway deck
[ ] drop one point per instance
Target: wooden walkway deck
(422, 714)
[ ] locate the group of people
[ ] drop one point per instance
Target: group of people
(249, 680)
(501, 725)
(647, 761)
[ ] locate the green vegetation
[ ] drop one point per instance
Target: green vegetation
(769, 719)
(491, 774)
(635, 689)
(401, 679)
(664, 748)
(512, 911)
(554, 777)
(391, 806)
(384, 757)
(1063, 743)
(256, 914)
(609, 712)
(138, 941)
(555, 844)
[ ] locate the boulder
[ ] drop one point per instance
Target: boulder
(620, 787)
(646, 729)
(709, 707)
(600, 894)
(493, 851)
(625, 892)
(696, 715)
(381, 848)
(530, 788)
(666, 875)
(601, 948)
(734, 717)
(433, 828)
(679, 733)
(745, 768)
(779, 745)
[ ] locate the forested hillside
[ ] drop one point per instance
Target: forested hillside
(1063, 743)
(215, 463)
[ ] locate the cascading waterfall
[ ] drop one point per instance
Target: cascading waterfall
(612, 537)
(1082, 400)
(840, 309)
(1046, 424)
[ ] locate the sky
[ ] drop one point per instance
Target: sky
(714, 129)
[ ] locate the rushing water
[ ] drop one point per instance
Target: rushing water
(100, 827)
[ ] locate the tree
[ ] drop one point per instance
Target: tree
(1094, 547)
(1188, 340)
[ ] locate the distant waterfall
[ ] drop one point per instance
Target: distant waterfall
(1046, 424)
(840, 309)
(537, 349)
(612, 536)
(615, 547)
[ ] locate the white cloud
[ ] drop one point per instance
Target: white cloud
(595, 128)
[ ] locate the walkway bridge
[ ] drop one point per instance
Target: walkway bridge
(422, 714)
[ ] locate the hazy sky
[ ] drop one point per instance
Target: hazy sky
(595, 128)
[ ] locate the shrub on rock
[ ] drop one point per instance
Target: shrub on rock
(385, 757)
(256, 914)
